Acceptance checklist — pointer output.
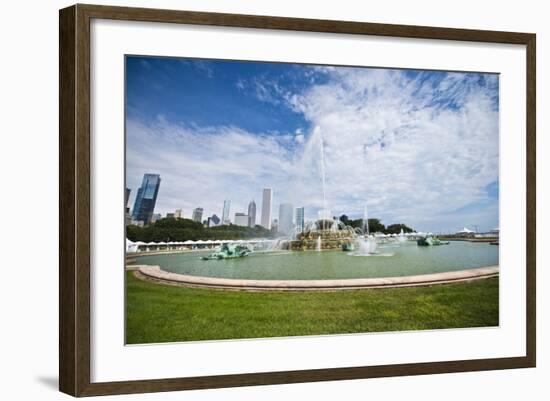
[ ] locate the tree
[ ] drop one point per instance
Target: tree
(177, 223)
(358, 223)
(396, 229)
(375, 226)
(344, 219)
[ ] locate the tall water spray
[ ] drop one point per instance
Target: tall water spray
(323, 173)
(366, 221)
(401, 237)
(367, 244)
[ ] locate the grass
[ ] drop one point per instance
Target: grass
(163, 313)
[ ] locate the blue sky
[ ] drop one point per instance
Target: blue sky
(418, 147)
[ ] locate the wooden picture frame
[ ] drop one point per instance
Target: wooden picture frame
(74, 199)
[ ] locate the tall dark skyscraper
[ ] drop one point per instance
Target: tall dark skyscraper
(252, 214)
(146, 198)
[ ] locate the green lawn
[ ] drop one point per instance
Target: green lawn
(161, 313)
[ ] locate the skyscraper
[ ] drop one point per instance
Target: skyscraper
(127, 217)
(252, 214)
(214, 221)
(241, 219)
(267, 198)
(126, 197)
(225, 214)
(197, 214)
(299, 218)
(178, 214)
(286, 211)
(146, 198)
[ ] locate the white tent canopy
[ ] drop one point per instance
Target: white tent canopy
(131, 246)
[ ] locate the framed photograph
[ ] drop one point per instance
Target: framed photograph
(250, 200)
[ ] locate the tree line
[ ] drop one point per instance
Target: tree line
(376, 226)
(171, 229)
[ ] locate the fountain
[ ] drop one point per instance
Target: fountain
(367, 243)
(367, 246)
(229, 251)
(402, 237)
(430, 240)
(320, 235)
(366, 221)
(328, 232)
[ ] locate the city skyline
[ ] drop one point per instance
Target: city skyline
(383, 132)
(292, 217)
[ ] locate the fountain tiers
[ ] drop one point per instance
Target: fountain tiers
(330, 239)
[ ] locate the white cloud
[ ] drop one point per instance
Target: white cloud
(414, 150)
(389, 145)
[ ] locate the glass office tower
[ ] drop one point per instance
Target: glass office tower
(146, 198)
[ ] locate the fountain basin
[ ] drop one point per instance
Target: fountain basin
(155, 273)
(389, 261)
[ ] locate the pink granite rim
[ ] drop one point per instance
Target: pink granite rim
(156, 274)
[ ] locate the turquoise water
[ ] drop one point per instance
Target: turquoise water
(391, 261)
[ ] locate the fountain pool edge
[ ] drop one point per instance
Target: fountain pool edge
(156, 274)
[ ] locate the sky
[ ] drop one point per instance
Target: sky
(417, 147)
